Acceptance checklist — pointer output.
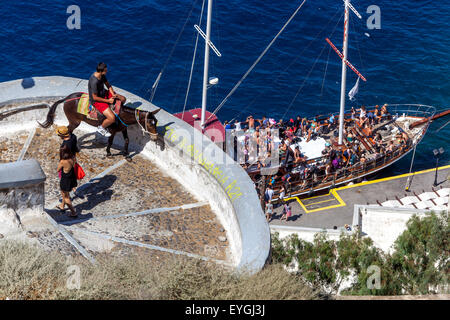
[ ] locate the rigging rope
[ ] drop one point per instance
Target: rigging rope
(151, 69)
(409, 180)
(256, 62)
(290, 65)
(325, 74)
(155, 85)
(443, 126)
(357, 47)
(309, 73)
(304, 81)
(193, 61)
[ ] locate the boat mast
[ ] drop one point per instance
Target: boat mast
(344, 73)
(206, 64)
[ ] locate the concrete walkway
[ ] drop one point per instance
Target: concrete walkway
(134, 203)
(336, 207)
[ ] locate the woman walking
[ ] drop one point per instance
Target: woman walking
(68, 179)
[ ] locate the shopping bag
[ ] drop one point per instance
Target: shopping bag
(79, 172)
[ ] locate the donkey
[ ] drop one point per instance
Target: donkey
(127, 116)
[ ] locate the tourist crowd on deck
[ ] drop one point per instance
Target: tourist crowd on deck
(257, 143)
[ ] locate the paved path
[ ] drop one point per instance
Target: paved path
(336, 208)
(121, 205)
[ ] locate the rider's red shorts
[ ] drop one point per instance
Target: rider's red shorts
(102, 106)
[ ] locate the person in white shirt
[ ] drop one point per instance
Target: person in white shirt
(268, 195)
(237, 125)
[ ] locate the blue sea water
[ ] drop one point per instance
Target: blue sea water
(406, 61)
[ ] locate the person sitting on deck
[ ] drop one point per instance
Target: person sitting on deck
(101, 98)
(390, 147)
(289, 133)
(298, 124)
(350, 137)
(362, 159)
(265, 161)
(353, 112)
(377, 115)
(312, 131)
(378, 139)
(289, 155)
(352, 158)
(367, 129)
(297, 155)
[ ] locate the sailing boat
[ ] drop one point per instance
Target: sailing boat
(353, 150)
(395, 132)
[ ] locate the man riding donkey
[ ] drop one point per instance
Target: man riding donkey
(76, 110)
(101, 98)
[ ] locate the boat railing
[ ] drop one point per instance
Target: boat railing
(412, 110)
(313, 181)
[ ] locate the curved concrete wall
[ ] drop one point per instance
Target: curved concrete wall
(202, 167)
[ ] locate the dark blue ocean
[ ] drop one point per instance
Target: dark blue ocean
(406, 61)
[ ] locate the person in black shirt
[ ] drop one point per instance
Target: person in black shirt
(101, 98)
(69, 139)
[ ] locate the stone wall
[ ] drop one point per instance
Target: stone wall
(307, 234)
(21, 196)
(382, 224)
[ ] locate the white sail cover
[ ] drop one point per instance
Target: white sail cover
(354, 91)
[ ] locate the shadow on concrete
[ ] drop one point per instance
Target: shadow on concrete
(133, 105)
(92, 193)
(95, 192)
(27, 83)
(94, 143)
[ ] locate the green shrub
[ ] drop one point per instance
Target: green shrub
(419, 265)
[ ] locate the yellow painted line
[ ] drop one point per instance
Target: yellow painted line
(339, 199)
(391, 178)
(334, 192)
(323, 195)
(299, 202)
(310, 204)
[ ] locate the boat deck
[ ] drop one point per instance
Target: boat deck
(371, 156)
(336, 208)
